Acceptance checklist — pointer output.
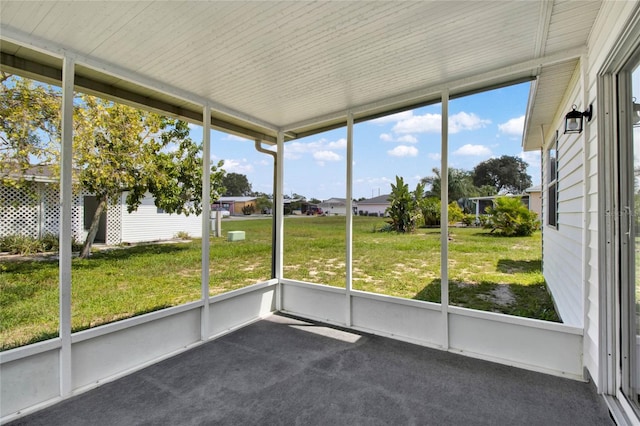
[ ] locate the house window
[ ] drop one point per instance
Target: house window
(552, 185)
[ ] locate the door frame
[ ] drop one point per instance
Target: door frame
(615, 354)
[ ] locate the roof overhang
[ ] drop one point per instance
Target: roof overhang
(295, 67)
(545, 97)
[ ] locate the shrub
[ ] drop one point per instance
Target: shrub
(248, 209)
(51, 242)
(25, 245)
(403, 210)
(183, 235)
(385, 228)
(455, 212)
(484, 220)
(430, 208)
(20, 244)
(511, 218)
(469, 219)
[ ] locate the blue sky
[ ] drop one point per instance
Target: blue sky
(407, 144)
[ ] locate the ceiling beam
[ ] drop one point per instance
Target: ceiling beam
(48, 74)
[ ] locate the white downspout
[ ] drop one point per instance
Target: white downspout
(278, 201)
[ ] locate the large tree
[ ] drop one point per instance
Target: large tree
(116, 149)
(237, 185)
(506, 174)
(29, 128)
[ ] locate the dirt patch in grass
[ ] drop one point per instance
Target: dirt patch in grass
(501, 295)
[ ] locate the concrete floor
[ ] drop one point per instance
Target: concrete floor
(283, 371)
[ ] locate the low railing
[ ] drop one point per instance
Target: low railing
(30, 376)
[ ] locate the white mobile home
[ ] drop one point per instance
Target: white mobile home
(376, 205)
(297, 69)
(334, 206)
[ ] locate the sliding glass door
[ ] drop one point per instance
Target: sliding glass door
(629, 235)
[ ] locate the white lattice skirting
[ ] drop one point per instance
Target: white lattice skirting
(37, 214)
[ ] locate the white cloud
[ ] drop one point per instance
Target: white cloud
(237, 166)
(431, 123)
(375, 180)
(427, 123)
(531, 157)
(473, 150)
(463, 121)
(339, 144)
(230, 137)
(513, 127)
(326, 156)
(404, 138)
(393, 117)
(296, 150)
(407, 139)
(403, 151)
(434, 156)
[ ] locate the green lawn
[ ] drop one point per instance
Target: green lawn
(485, 272)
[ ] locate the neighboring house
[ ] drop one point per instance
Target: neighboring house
(38, 213)
(376, 206)
(334, 206)
(235, 204)
(535, 199)
(482, 203)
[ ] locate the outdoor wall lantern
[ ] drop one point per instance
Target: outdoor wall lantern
(636, 113)
(574, 120)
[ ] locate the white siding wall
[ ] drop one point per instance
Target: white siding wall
(571, 252)
(146, 224)
(373, 208)
(333, 210)
(563, 246)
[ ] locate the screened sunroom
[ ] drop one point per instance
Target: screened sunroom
(274, 73)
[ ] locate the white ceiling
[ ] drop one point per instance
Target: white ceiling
(296, 66)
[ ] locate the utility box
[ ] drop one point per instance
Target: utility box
(235, 236)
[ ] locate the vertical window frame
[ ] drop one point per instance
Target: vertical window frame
(552, 184)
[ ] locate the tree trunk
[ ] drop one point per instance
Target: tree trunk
(93, 230)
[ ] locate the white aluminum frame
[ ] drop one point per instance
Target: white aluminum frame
(38, 375)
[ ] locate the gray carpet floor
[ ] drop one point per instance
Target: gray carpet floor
(284, 371)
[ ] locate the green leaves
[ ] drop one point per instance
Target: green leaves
(509, 217)
(506, 174)
(29, 128)
(403, 209)
(116, 148)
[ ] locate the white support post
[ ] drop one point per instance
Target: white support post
(279, 209)
(349, 214)
(68, 70)
(444, 220)
(206, 221)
